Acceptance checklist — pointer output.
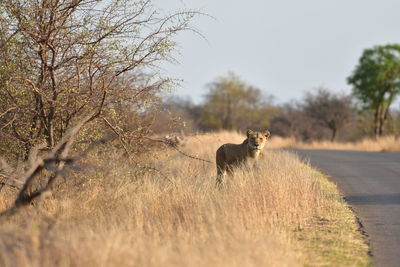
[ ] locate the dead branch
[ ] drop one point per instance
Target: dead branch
(9, 178)
(54, 162)
(169, 143)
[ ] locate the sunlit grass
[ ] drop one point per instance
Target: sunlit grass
(387, 143)
(285, 214)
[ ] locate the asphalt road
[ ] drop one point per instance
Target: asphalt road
(370, 182)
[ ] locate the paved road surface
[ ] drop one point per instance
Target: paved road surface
(370, 182)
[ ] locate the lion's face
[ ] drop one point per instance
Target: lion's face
(257, 140)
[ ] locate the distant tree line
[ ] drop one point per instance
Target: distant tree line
(229, 104)
(232, 104)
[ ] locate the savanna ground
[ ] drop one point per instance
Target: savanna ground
(111, 213)
(380, 144)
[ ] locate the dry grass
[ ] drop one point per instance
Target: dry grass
(387, 143)
(285, 215)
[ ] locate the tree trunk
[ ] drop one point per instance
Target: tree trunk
(334, 131)
(382, 119)
(228, 118)
(376, 121)
(380, 130)
(385, 114)
(50, 134)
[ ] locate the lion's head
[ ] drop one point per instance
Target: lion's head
(256, 140)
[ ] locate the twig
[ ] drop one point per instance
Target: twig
(160, 173)
(8, 110)
(173, 145)
(9, 185)
(118, 134)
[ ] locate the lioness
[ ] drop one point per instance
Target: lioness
(231, 155)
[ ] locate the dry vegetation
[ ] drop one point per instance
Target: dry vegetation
(381, 144)
(117, 215)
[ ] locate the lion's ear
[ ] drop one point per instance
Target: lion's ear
(266, 133)
(249, 132)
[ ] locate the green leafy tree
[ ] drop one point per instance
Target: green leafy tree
(376, 82)
(62, 59)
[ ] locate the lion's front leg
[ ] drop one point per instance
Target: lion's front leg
(221, 173)
(256, 166)
(249, 164)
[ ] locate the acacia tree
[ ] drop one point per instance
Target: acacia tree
(376, 82)
(61, 59)
(233, 104)
(330, 110)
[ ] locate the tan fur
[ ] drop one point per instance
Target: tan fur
(230, 155)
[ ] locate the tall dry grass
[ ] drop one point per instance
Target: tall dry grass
(117, 216)
(387, 143)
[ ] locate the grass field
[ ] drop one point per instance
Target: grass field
(285, 214)
(382, 144)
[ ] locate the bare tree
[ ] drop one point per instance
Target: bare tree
(330, 110)
(292, 121)
(62, 58)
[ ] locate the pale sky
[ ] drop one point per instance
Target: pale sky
(283, 47)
